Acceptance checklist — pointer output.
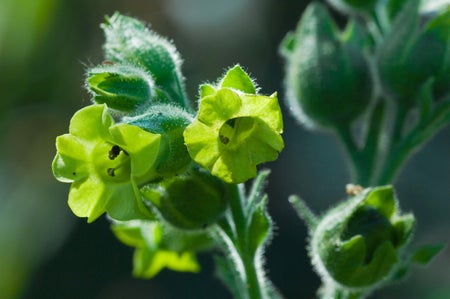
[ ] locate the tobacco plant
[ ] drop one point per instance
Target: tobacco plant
(171, 173)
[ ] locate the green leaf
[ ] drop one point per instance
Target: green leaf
(304, 212)
(425, 254)
(257, 193)
(228, 275)
(259, 228)
(238, 79)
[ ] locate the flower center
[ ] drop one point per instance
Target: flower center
(236, 130)
(112, 162)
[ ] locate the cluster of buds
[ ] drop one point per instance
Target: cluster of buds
(332, 76)
(141, 154)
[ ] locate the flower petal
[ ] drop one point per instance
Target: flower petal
(237, 79)
(142, 146)
(265, 108)
(87, 198)
(124, 202)
(218, 108)
(69, 163)
(91, 123)
(150, 261)
(202, 142)
(67, 169)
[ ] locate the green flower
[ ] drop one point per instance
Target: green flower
(235, 128)
(158, 246)
(105, 162)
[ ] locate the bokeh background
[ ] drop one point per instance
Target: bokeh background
(46, 252)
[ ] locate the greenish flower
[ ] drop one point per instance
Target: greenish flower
(105, 162)
(235, 129)
(158, 246)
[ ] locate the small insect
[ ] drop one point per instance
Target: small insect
(352, 189)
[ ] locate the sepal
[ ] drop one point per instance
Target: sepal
(169, 122)
(123, 88)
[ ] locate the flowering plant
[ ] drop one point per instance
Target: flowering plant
(172, 178)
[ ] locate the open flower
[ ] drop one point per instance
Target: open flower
(159, 246)
(105, 162)
(235, 128)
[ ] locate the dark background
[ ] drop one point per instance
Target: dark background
(46, 252)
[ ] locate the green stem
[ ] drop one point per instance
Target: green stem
(361, 163)
(250, 282)
(402, 148)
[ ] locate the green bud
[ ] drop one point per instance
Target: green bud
(328, 80)
(170, 122)
(411, 55)
(120, 87)
(359, 243)
(191, 201)
(128, 41)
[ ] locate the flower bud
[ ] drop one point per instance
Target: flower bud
(169, 121)
(328, 81)
(128, 41)
(411, 55)
(359, 243)
(120, 87)
(191, 201)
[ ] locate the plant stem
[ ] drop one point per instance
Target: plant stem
(361, 163)
(402, 148)
(249, 281)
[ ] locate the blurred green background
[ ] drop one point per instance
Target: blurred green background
(46, 252)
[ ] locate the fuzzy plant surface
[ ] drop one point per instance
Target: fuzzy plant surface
(381, 85)
(170, 177)
(174, 180)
